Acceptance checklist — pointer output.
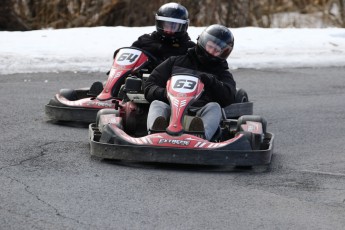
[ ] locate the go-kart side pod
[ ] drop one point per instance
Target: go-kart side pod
(83, 104)
(72, 105)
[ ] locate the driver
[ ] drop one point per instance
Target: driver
(208, 60)
(171, 37)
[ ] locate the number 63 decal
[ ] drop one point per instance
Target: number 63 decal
(185, 84)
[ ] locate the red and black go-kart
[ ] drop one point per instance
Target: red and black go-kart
(129, 63)
(241, 142)
(84, 103)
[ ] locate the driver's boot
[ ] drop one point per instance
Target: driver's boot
(160, 124)
(196, 125)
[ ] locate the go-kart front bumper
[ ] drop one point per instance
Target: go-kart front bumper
(146, 153)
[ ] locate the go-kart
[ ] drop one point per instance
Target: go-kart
(238, 142)
(83, 104)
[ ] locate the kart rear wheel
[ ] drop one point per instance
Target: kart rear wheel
(241, 96)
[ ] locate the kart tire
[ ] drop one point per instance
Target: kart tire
(243, 119)
(241, 96)
(104, 112)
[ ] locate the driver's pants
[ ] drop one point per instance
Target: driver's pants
(210, 114)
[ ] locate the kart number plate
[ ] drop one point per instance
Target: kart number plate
(184, 83)
(127, 56)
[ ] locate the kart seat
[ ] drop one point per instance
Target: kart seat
(133, 84)
(95, 89)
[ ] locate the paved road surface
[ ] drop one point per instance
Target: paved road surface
(49, 181)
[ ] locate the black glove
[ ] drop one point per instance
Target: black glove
(151, 48)
(165, 94)
(207, 79)
(161, 94)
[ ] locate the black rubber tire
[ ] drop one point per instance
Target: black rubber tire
(241, 96)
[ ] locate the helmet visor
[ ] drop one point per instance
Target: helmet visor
(171, 25)
(214, 46)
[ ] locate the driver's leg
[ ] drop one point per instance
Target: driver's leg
(211, 115)
(159, 112)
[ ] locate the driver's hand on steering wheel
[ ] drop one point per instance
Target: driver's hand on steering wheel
(207, 79)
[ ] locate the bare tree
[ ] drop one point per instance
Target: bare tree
(37, 14)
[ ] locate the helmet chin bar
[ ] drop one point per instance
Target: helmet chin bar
(174, 38)
(205, 57)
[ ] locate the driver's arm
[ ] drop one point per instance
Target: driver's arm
(155, 86)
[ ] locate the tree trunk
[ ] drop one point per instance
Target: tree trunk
(8, 19)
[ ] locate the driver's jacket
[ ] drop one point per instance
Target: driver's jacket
(221, 91)
(163, 48)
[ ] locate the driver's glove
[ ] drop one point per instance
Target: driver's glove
(207, 79)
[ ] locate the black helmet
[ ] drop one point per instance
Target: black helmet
(172, 20)
(215, 43)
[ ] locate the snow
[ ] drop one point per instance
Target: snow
(91, 49)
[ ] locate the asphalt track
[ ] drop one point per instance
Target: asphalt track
(49, 181)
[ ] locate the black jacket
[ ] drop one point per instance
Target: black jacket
(163, 49)
(222, 90)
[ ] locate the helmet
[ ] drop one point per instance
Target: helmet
(172, 20)
(215, 43)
